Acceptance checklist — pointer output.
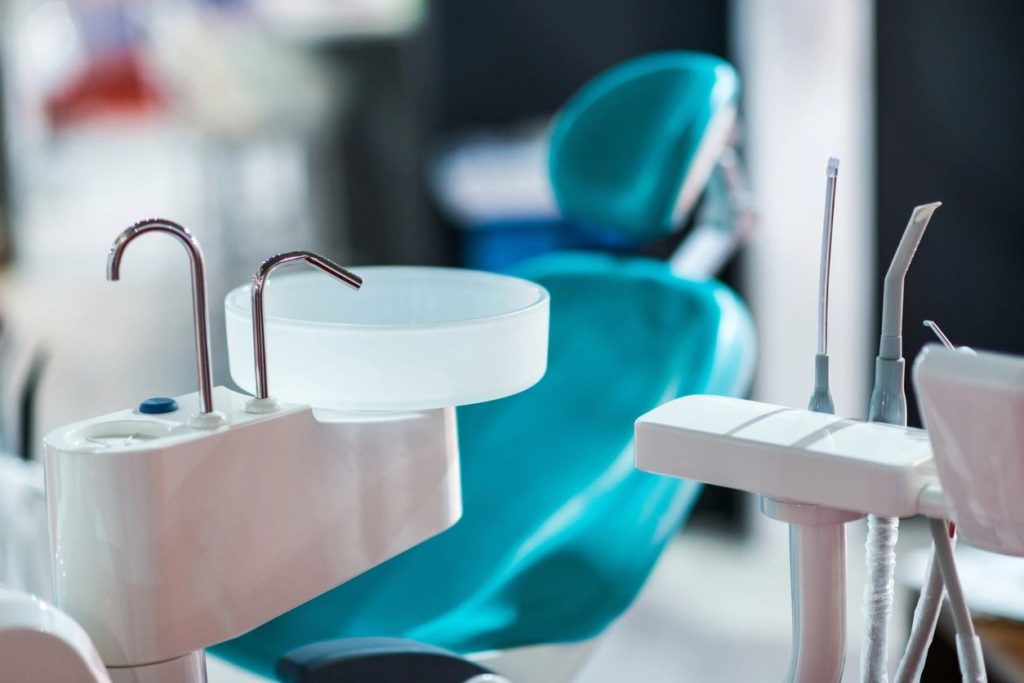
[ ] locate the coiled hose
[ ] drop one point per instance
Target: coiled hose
(883, 532)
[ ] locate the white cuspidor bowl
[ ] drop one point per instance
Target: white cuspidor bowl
(412, 338)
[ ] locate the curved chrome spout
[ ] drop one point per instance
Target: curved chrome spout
(259, 281)
(195, 257)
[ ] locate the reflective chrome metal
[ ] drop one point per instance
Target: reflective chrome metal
(196, 263)
(934, 327)
(831, 174)
(259, 281)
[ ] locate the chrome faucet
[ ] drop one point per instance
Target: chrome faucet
(263, 402)
(209, 417)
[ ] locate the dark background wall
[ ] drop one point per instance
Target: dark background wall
(951, 128)
(506, 60)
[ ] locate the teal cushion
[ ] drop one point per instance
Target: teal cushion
(559, 531)
(622, 147)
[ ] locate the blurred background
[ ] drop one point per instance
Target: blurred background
(415, 131)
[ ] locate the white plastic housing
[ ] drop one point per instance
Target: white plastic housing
(973, 408)
(788, 454)
(168, 539)
(41, 644)
(411, 338)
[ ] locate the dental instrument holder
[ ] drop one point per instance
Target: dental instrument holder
(814, 459)
(810, 468)
(169, 535)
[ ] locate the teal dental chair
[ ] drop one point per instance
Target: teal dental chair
(559, 531)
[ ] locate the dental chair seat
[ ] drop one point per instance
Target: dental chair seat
(559, 532)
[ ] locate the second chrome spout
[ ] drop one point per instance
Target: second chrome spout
(262, 402)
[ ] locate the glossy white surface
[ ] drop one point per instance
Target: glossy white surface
(167, 539)
(411, 338)
(973, 408)
(41, 644)
(24, 555)
(787, 453)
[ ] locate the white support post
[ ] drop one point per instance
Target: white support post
(808, 77)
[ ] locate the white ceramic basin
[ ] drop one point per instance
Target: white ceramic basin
(412, 338)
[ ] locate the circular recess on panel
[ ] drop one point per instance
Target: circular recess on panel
(117, 434)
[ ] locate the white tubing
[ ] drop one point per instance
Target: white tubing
(818, 583)
(968, 647)
(883, 533)
(972, 661)
(926, 616)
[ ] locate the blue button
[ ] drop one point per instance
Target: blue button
(158, 405)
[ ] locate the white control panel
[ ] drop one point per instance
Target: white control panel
(788, 454)
(132, 430)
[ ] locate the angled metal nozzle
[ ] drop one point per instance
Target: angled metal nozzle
(889, 395)
(259, 328)
(934, 327)
(891, 343)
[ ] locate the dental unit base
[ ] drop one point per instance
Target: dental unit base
(169, 539)
(814, 471)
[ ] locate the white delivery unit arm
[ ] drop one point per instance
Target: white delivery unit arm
(789, 454)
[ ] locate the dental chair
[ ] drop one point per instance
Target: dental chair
(559, 531)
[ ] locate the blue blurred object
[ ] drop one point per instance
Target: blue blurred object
(502, 244)
(559, 531)
(634, 148)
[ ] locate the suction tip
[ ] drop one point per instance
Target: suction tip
(833, 167)
(923, 213)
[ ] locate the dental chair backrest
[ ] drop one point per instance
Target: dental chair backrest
(633, 150)
(559, 531)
